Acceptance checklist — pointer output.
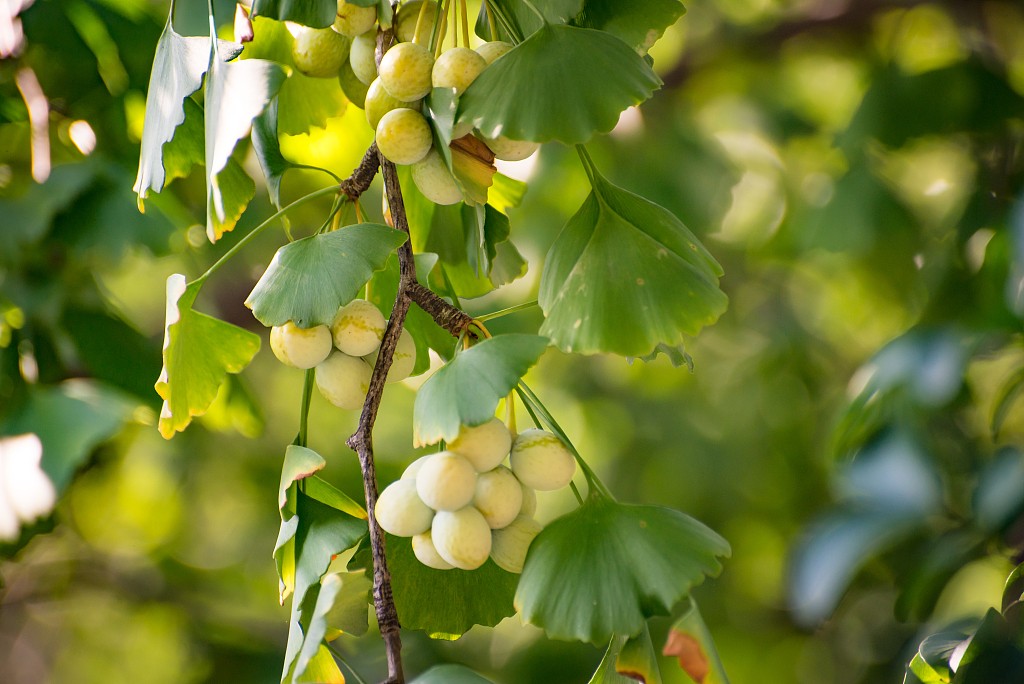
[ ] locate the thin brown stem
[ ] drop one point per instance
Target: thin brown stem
(359, 182)
(447, 316)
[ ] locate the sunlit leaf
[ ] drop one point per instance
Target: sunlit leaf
(639, 23)
(606, 567)
(315, 13)
(236, 93)
(309, 279)
(314, 631)
(299, 463)
(562, 83)
(349, 614)
(178, 69)
(629, 660)
(446, 603)
(450, 674)
(304, 102)
(466, 391)
(689, 640)
(994, 654)
(930, 664)
(71, 419)
(606, 274)
(199, 352)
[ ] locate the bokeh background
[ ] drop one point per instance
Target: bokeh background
(855, 165)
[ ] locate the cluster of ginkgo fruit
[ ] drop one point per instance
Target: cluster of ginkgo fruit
(462, 505)
(344, 352)
(392, 96)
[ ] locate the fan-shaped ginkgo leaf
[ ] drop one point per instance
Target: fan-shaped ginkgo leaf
(199, 352)
(562, 83)
(309, 279)
(605, 568)
(626, 276)
(466, 391)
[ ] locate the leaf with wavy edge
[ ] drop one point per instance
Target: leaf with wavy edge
(562, 83)
(199, 353)
(467, 389)
(309, 279)
(626, 276)
(605, 568)
(640, 23)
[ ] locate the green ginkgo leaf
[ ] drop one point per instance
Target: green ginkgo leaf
(305, 102)
(236, 93)
(626, 276)
(315, 13)
(605, 568)
(689, 640)
(446, 603)
(178, 68)
(628, 660)
(199, 353)
(309, 279)
(640, 23)
(562, 83)
(467, 389)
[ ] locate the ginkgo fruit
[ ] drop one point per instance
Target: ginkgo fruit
(498, 497)
(485, 445)
(529, 501)
(446, 481)
(510, 545)
(354, 89)
(343, 380)
(457, 68)
(405, 71)
(358, 328)
(378, 102)
(435, 181)
(541, 461)
(462, 537)
(400, 511)
(493, 50)
(403, 136)
(319, 52)
(352, 20)
(507, 149)
(402, 361)
(300, 347)
(409, 15)
(414, 468)
(362, 56)
(425, 551)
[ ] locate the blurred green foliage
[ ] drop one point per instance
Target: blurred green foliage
(856, 167)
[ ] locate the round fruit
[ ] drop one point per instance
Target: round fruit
(446, 482)
(507, 149)
(529, 501)
(401, 512)
(351, 20)
(405, 71)
(541, 461)
(425, 551)
(435, 181)
(413, 468)
(344, 380)
(457, 68)
(300, 347)
(409, 14)
(493, 50)
(378, 103)
(358, 328)
(485, 446)
(319, 52)
(498, 497)
(509, 546)
(403, 361)
(363, 58)
(462, 537)
(354, 89)
(403, 136)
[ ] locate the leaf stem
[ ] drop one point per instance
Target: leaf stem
(465, 23)
(260, 228)
(535, 11)
(341, 659)
(307, 395)
(537, 423)
(505, 312)
(588, 165)
(490, 20)
(592, 479)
